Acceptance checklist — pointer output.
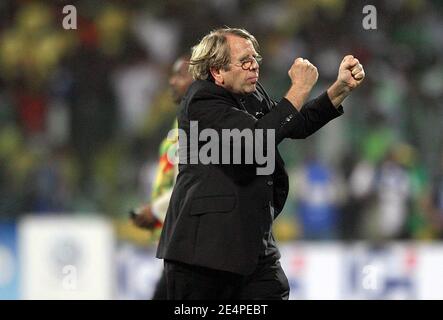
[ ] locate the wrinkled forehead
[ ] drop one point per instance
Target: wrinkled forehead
(240, 47)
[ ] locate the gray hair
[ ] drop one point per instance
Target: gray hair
(213, 51)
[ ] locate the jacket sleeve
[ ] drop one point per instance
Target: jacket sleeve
(212, 110)
(218, 112)
(312, 116)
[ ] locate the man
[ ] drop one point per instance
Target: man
(216, 240)
(151, 216)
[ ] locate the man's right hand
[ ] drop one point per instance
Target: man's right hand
(145, 218)
(303, 75)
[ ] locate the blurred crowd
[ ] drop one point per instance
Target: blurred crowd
(82, 112)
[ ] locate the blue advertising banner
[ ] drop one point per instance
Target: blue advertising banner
(138, 271)
(9, 266)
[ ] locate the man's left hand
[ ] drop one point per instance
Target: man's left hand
(351, 73)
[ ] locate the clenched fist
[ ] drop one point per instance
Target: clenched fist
(303, 74)
(350, 73)
(145, 218)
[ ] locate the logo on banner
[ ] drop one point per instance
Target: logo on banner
(383, 273)
(66, 256)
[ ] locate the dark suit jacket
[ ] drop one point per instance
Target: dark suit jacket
(217, 212)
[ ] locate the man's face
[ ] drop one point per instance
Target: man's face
(180, 79)
(235, 79)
